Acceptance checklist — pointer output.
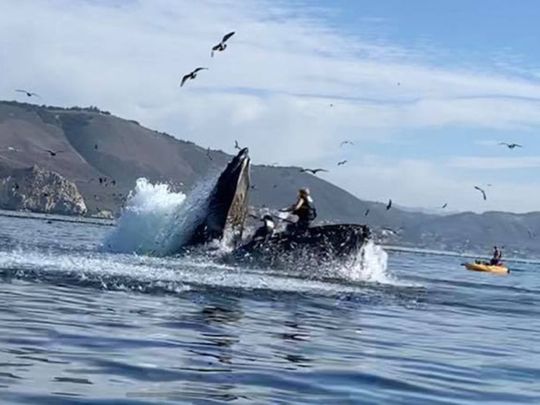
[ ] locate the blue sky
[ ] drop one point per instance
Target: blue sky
(425, 89)
(479, 30)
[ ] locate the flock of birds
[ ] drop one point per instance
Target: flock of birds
(103, 181)
(220, 47)
(217, 48)
(389, 204)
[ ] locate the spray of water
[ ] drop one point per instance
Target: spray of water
(149, 209)
(369, 265)
(185, 219)
(157, 221)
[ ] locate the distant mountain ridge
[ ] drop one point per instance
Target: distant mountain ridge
(104, 155)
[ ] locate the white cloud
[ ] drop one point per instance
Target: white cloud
(415, 182)
(271, 88)
(495, 163)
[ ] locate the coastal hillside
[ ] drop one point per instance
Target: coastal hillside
(103, 155)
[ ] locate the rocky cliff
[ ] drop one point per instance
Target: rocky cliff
(39, 190)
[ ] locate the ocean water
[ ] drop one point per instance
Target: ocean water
(95, 314)
(83, 325)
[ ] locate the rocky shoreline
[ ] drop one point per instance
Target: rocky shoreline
(39, 190)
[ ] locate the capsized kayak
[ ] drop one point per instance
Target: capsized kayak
(487, 268)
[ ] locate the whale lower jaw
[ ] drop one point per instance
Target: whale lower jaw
(227, 205)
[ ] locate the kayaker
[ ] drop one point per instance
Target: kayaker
(266, 230)
(304, 209)
(497, 256)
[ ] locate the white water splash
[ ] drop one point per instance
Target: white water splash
(185, 219)
(370, 265)
(149, 210)
(157, 220)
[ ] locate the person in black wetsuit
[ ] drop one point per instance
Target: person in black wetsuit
(497, 257)
(304, 209)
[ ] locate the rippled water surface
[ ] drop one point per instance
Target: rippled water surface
(81, 326)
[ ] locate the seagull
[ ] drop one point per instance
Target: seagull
(222, 45)
(444, 206)
(313, 171)
(389, 205)
(208, 154)
(236, 145)
(52, 152)
(482, 191)
(366, 213)
(346, 143)
(510, 145)
(341, 163)
(28, 93)
(191, 75)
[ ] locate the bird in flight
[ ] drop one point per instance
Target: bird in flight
(346, 143)
(482, 191)
(511, 145)
(313, 171)
(342, 162)
(28, 93)
(222, 45)
(444, 205)
(389, 205)
(236, 145)
(191, 75)
(53, 153)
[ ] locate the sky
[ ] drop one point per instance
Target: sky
(426, 90)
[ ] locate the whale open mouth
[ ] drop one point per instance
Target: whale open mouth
(227, 204)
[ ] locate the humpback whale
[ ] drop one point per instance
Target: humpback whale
(225, 215)
(317, 246)
(227, 204)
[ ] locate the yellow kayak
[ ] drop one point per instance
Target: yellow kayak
(487, 268)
